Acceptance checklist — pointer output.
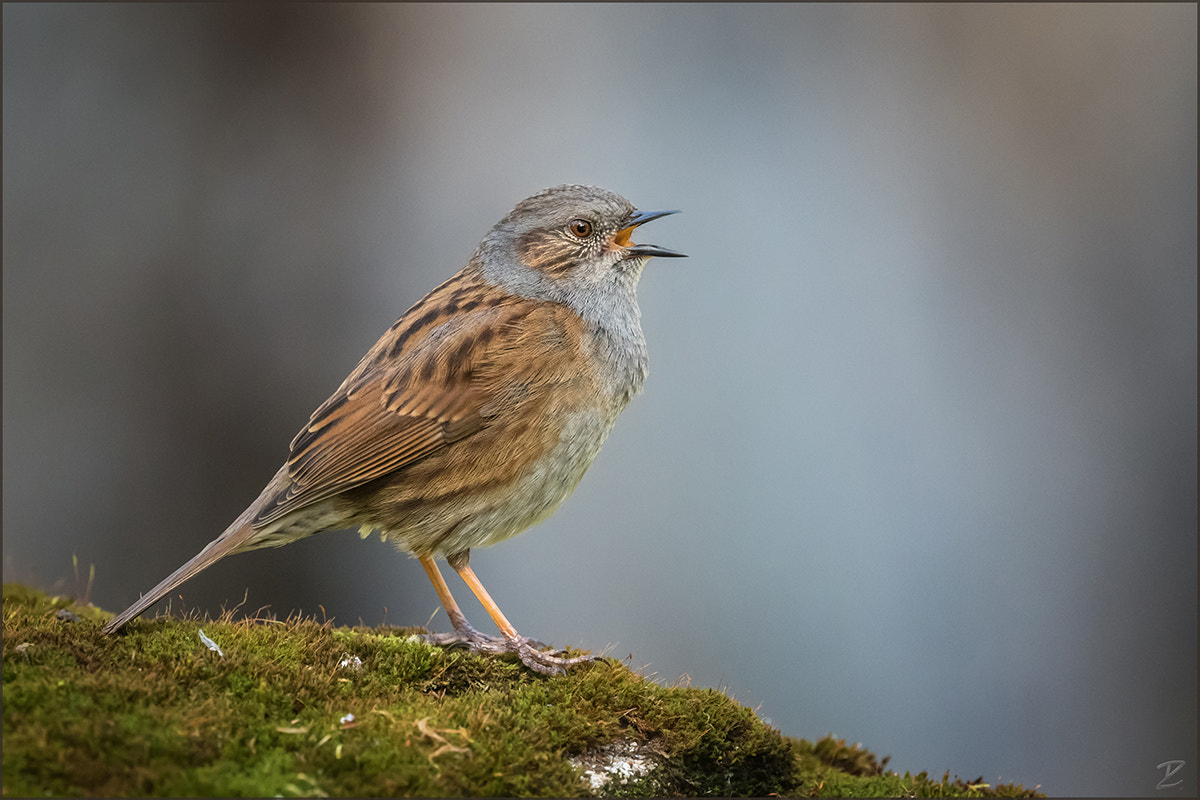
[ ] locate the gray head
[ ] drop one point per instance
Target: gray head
(566, 240)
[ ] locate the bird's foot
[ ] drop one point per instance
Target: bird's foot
(547, 662)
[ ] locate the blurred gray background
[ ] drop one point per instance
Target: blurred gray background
(916, 463)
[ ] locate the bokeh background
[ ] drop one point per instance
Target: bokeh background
(916, 463)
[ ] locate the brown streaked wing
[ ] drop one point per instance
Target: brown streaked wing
(396, 411)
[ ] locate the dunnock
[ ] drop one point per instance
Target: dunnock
(479, 410)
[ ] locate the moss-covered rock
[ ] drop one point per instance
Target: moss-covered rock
(296, 707)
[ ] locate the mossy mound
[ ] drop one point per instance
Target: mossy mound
(296, 707)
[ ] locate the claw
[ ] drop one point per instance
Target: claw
(547, 662)
(528, 650)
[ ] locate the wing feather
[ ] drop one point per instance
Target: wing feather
(397, 409)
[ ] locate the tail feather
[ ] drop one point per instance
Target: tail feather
(233, 540)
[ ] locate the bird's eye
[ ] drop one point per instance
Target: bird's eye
(580, 228)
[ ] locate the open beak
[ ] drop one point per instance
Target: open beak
(641, 218)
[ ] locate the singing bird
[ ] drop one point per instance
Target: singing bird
(477, 413)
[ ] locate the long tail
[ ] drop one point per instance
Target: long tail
(237, 537)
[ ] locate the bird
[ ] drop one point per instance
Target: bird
(476, 414)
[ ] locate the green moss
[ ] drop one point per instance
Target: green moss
(156, 712)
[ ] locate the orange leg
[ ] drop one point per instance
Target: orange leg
(526, 649)
(485, 599)
(457, 618)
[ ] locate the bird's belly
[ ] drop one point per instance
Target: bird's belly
(483, 518)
